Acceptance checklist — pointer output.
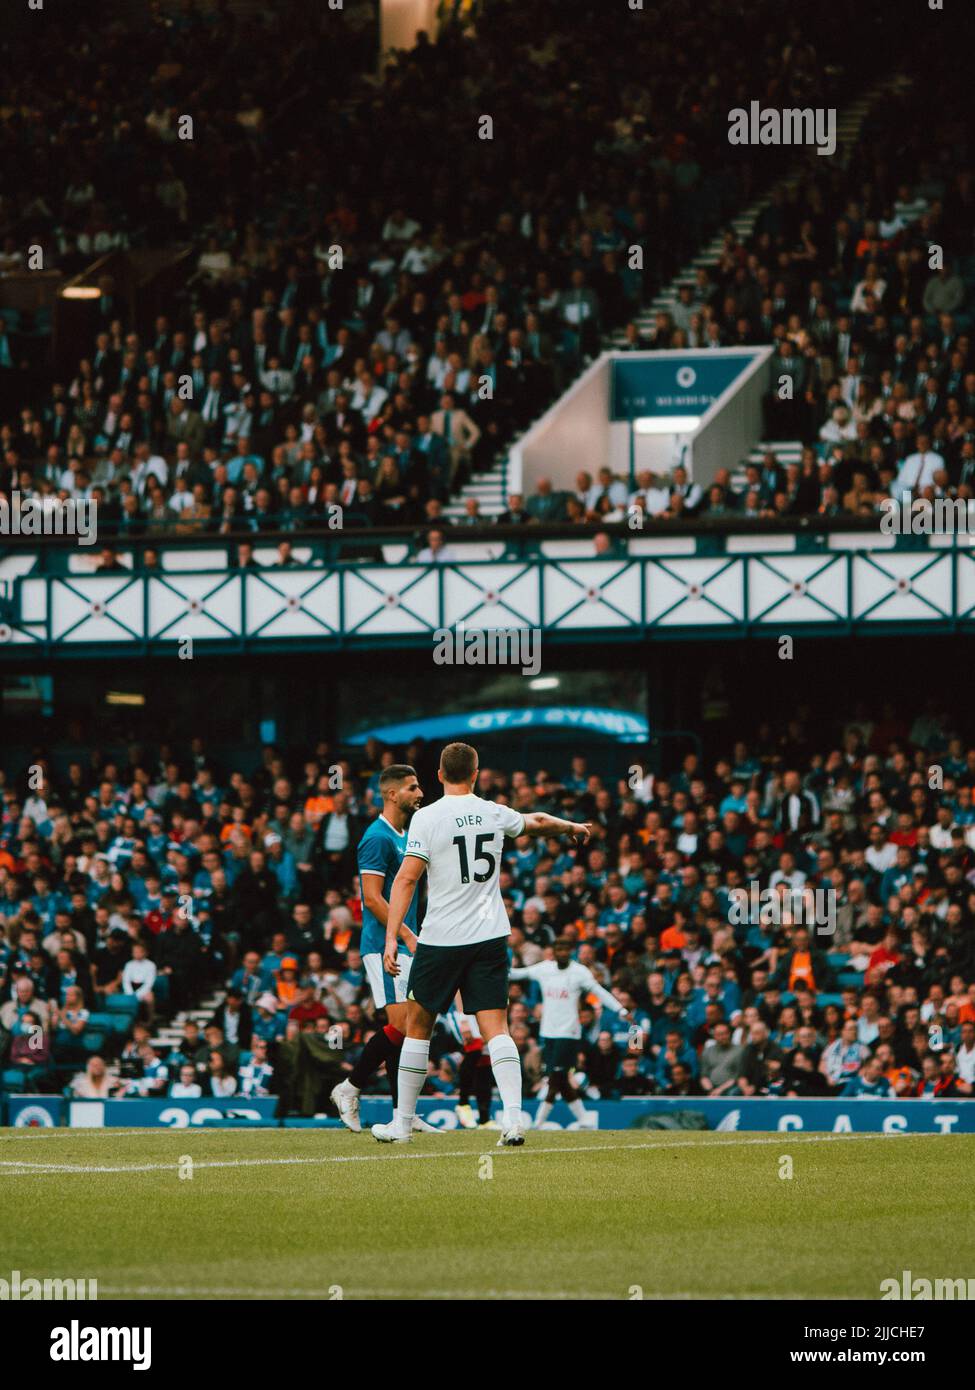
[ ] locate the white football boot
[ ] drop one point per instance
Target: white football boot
(345, 1098)
(393, 1133)
(512, 1131)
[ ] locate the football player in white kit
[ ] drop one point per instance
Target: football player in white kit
(459, 840)
(563, 982)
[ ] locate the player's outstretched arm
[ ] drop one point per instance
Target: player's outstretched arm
(603, 995)
(540, 823)
(410, 872)
(525, 972)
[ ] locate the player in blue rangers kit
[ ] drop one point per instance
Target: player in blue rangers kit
(380, 854)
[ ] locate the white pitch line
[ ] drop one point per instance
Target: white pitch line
(350, 1294)
(34, 1134)
(24, 1168)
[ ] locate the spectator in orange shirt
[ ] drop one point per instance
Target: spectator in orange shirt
(903, 1080)
(236, 827)
(286, 986)
(321, 802)
(672, 938)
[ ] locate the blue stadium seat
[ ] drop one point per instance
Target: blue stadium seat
(851, 979)
(104, 1023)
(121, 1004)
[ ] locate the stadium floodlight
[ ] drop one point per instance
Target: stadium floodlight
(81, 292)
(666, 424)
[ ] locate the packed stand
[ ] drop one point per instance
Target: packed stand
(469, 293)
(130, 889)
(873, 371)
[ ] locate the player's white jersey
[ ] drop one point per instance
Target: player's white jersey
(461, 838)
(561, 990)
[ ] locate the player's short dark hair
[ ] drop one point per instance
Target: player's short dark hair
(457, 762)
(396, 772)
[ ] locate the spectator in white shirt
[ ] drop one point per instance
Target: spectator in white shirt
(139, 976)
(394, 338)
(872, 283)
(148, 464)
(839, 427)
(368, 398)
(436, 551)
(96, 1082)
(787, 873)
(187, 1087)
(689, 492)
(965, 1053)
(399, 227)
(438, 365)
(941, 831)
(221, 1081)
(182, 498)
(880, 853)
(655, 499)
(419, 257)
(278, 381)
(608, 485)
(918, 469)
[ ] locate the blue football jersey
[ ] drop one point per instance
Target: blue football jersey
(381, 851)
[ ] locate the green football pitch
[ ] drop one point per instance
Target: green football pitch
(616, 1215)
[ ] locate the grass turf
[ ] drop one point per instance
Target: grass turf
(325, 1213)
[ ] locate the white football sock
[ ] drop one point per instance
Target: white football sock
(411, 1076)
(542, 1113)
(578, 1109)
(506, 1065)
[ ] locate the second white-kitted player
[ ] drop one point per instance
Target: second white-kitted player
(563, 982)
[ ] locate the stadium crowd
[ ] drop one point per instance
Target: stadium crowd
(468, 294)
(863, 281)
(133, 887)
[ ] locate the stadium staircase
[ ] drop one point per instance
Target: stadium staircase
(786, 451)
(848, 125)
(490, 488)
(167, 1035)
